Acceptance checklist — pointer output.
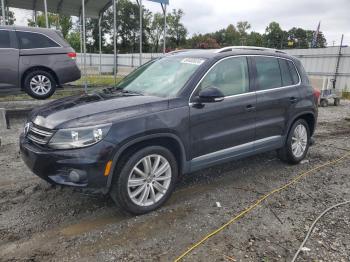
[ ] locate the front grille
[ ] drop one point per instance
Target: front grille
(38, 135)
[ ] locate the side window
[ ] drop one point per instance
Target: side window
(287, 79)
(268, 72)
(294, 72)
(230, 76)
(4, 39)
(33, 40)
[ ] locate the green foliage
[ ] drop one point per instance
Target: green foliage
(274, 37)
(176, 32)
(10, 16)
(73, 38)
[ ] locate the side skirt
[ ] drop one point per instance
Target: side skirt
(236, 152)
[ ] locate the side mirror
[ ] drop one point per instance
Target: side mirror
(211, 95)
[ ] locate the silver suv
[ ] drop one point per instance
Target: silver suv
(36, 60)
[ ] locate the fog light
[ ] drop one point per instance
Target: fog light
(77, 176)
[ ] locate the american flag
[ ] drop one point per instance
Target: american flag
(314, 40)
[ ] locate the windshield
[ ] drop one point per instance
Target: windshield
(163, 77)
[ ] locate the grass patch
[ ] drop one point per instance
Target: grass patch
(346, 94)
(98, 80)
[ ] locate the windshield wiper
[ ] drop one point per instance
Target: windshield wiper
(118, 90)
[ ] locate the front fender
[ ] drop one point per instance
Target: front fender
(185, 167)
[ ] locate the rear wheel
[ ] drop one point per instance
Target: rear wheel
(297, 144)
(146, 180)
(39, 84)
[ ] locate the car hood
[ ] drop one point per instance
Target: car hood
(94, 109)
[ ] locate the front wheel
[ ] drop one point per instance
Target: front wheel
(146, 180)
(297, 144)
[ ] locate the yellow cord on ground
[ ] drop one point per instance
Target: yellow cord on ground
(258, 202)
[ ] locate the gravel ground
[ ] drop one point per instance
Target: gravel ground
(39, 222)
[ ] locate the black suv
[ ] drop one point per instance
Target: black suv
(184, 112)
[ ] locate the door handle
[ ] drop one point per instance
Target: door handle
(250, 108)
(293, 99)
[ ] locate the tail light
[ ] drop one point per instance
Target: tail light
(72, 55)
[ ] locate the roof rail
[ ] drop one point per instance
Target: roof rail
(178, 51)
(256, 48)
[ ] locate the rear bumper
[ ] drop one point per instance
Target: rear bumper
(67, 72)
(55, 166)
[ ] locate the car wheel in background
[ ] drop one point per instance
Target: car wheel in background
(145, 180)
(336, 101)
(39, 84)
(297, 144)
(324, 103)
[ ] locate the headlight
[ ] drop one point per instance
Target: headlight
(78, 137)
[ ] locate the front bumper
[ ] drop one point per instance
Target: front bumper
(55, 166)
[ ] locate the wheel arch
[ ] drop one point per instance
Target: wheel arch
(310, 119)
(168, 140)
(35, 68)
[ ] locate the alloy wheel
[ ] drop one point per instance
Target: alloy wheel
(299, 140)
(40, 85)
(149, 180)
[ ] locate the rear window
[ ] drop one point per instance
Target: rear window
(293, 72)
(4, 39)
(29, 40)
(286, 74)
(268, 73)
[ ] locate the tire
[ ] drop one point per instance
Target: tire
(287, 153)
(324, 103)
(336, 101)
(133, 198)
(40, 84)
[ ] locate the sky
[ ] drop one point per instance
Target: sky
(203, 16)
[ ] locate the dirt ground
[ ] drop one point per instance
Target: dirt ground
(39, 222)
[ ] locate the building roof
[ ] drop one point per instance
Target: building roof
(93, 8)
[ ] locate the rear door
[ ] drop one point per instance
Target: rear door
(9, 56)
(277, 94)
(225, 129)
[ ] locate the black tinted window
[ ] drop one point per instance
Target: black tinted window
(32, 40)
(4, 39)
(268, 73)
(285, 73)
(293, 72)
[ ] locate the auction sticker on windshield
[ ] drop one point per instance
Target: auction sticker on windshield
(193, 61)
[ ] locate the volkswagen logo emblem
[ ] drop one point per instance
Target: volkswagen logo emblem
(27, 127)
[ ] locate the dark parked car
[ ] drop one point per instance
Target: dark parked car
(175, 115)
(35, 60)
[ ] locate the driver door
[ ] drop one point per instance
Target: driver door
(222, 130)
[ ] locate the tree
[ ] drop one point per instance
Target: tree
(59, 22)
(176, 32)
(203, 42)
(243, 27)
(41, 20)
(274, 35)
(255, 39)
(156, 32)
(231, 36)
(66, 24)
(73, 39)
(10, 16)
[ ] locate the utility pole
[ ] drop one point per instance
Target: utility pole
(46, 15)
(3, 12)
